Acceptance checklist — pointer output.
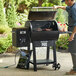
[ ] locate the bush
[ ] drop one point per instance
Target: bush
(60, 16)
(47, 4)
(62, 42)
(2, 14)
(5, 43)
(5, 29)
(2, 30)
(11, 14)
(23, 17)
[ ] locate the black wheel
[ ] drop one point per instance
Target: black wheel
(56, 66)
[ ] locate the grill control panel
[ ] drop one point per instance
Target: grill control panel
(20, 37)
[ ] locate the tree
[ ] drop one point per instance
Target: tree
(40, 2)
(56, 2)
(2, 14)
(11, 14)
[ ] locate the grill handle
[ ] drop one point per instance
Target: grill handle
(67, 24)
(43, 7)
(51, 8)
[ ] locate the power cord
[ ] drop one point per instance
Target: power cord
(14, 60)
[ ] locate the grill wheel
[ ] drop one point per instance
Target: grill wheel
(56, 66)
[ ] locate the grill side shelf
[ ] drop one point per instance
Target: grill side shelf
(65, 32)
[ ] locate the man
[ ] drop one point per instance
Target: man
(71, 9)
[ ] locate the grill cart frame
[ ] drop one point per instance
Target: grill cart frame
(39, 41)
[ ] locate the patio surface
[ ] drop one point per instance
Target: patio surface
(42, 70)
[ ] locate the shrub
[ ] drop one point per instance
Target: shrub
(2, 14)
(60, 16)
(5, 43)
(2, 30)
(23, 17)
(62, 42)
(11, 14)
(47, 4)
(5, 29)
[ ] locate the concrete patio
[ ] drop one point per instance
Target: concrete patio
(63, 58)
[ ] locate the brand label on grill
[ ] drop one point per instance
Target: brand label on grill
(22, 32)
(43, 43)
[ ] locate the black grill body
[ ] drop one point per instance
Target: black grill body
(20, 37)
(42, 20)
(43, 35)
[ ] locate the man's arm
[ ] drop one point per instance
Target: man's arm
(73, 13)
(74, 31)
(62, 7)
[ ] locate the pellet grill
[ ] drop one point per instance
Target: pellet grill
(42, 31)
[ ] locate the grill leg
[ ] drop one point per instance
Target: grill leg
(29, 56)
(47, 54)
(34, 59)
(54, 54)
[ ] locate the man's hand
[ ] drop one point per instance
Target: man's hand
(71, 37)
(55, 7)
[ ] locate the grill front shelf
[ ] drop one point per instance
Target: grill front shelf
(44, 61)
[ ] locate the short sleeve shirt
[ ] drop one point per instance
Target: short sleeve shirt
(71, 14)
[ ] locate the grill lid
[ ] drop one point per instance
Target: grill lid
(42, 13)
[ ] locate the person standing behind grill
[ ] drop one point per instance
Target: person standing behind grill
(71, 9)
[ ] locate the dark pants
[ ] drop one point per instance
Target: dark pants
(74, 60)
